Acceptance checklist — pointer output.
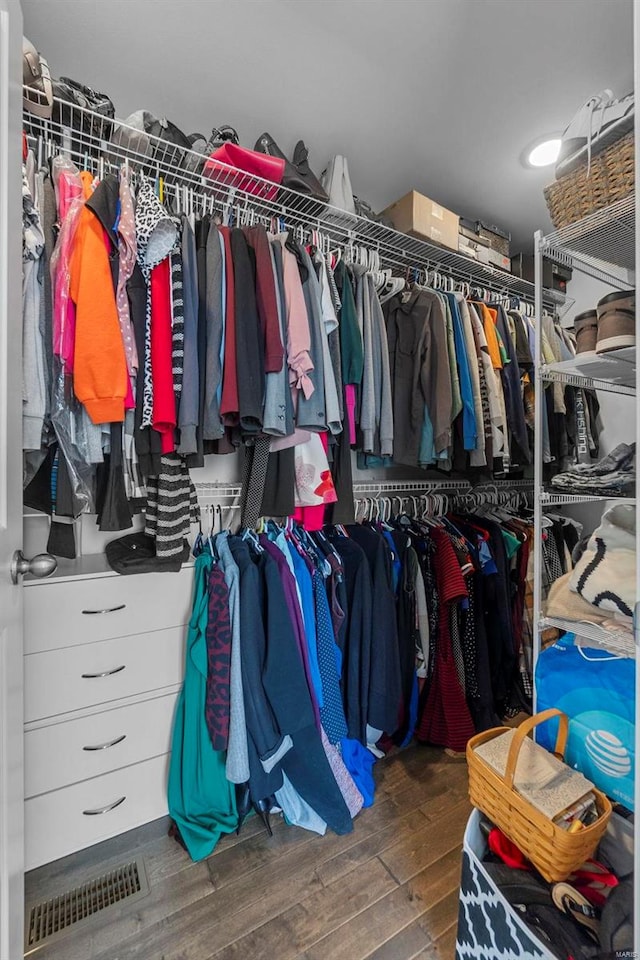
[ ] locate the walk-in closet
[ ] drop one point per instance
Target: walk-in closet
(318, 480)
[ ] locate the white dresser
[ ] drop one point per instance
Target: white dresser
(104, 660)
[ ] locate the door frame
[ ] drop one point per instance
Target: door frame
(11, 650)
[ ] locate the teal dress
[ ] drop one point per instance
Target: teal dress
(201, 799)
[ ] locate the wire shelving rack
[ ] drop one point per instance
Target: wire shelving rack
(617, 641)
(551, 498)
(614, 372)
(105, 145)
(601, 245)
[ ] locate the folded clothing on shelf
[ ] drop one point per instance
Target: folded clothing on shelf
(605, 574)
(563, 603)
(620, 483)
(614, 474)
(620, 458)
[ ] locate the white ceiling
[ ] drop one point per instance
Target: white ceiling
(440, 95)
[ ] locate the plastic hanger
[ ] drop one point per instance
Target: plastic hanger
(251, 537)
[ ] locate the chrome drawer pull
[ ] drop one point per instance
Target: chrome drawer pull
(105, 673)
(105, 746)
(107, 809)
(120, 606)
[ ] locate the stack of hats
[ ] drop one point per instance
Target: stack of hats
(611, 326)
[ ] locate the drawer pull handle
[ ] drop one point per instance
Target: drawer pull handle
(105, 673)
(105, 746)
(120, 606)
(107, 809)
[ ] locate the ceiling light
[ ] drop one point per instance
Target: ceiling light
(543, 153)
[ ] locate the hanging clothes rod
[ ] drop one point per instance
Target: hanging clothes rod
(88, 138)
(432, 504)
(215, 491)
(409, 486)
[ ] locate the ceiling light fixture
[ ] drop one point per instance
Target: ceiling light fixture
(542, 152)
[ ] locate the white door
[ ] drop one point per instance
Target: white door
(11, 773)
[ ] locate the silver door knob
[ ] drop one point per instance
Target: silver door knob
(42, 565)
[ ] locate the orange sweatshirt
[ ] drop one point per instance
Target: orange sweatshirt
(489, 320)
(99, 365)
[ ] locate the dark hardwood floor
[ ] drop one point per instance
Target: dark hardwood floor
(387, 891)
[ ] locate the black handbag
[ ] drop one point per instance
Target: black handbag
(143, 135)
(298, 175)
(173, 154)
(69, 94)
(205, 146)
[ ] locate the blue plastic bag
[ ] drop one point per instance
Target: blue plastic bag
(596, 689)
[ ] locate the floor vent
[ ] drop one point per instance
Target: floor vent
(50, 919)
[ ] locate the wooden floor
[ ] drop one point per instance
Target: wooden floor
(387, 891)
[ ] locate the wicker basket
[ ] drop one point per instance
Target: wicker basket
(555, 852)
(611, 178)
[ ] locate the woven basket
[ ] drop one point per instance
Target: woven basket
(555, 852)
(611, 178)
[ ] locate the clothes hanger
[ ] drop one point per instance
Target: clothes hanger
(392, 286)
(251, 537)
(198, 543)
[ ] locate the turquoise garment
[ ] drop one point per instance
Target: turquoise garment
(427, 454)
(201, 800)
(469, 427)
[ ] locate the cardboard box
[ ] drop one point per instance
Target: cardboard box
(421, 217)
(497, 259)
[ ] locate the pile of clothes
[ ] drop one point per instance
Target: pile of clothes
(613, 475)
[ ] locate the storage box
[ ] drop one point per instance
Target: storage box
(497, 259)
(483, 907)
(421, 217)
(473, 248)
(488, 234)
(468, 230)
(491, 927)
(555, 276)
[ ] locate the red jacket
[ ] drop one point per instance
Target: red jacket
(266, 299)
(164, 401)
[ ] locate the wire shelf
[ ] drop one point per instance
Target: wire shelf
(617, 641)
(88, 139)
(375, 488)
(219, 490)
(213, 488)
(614, 371)
(601, 245)
(550, 498)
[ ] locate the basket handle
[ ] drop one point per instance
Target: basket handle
(524, 729)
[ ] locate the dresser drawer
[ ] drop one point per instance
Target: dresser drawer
(65, 820)
(65, 753)
(59, 681)
(85, 611)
